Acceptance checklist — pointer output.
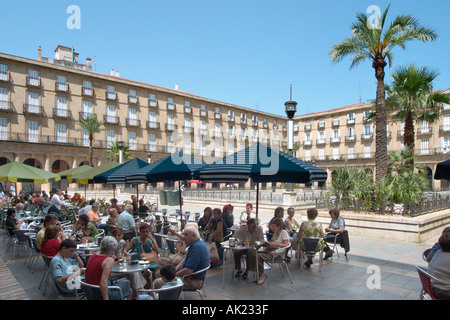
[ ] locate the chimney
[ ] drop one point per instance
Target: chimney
(117, 74)
(39, 53)
(88, 61)
(176, 86)
(112, 72)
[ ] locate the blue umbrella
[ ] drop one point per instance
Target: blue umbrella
(118, 174)
(443, 170)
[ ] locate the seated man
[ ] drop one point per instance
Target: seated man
(196, 259)
(11, 221)
(66, 265)
(126, 223)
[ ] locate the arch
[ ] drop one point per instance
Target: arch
(34, 163)
(84, 163)
(430, 177)
(59, 165)
(4, 160)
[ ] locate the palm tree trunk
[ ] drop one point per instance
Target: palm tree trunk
(381, 156)
(91, 138)
(408, 137)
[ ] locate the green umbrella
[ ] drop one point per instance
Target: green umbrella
(65, 175)
(87, 177)
(19, 172)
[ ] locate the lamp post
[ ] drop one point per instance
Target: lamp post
(120, 145)
(149, 156)
(290, 108)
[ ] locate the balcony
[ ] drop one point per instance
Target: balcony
(112, 96)
(335, 123)
(171, 106)
(188, 129)
(243, 121)
(350, 138)
(153, 125)
(62, 87)
(62, 113)
(85, 115)
(230, 118)
(133, 100)
(424, 131)
(321, 141)
(307, 143)
(34, 82)
(203, 113)
(367, 136)
(321, 125)
(308, 127)
(31, 109)
(5, 77)
(152, 103)
(171, 127)
(217, 116)
(111, 120)
(444, 129)
(88, 92)
(133, 122)
(335, 140)
(350, 121)
(6, 106)
(187, 110)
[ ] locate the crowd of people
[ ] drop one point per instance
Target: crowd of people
(123, 236)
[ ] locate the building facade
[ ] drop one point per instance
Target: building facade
(42, 101)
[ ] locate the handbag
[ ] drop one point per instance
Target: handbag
(213, 252)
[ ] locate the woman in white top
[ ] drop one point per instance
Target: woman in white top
(247, 214)
(280, 239)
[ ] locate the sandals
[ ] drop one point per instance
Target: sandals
(328, 255)
(238, 273)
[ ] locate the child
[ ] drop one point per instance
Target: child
(168, 275)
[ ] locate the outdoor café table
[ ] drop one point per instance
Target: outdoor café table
(129, 268)
(88, 247)
(226, 247)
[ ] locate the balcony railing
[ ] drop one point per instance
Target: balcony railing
(424, 131)
(217, 116)
(32, 109)
(5, 77)
(85, 115)
(34, 82)
(171, 106)
(88, 92)
(203, 113)
(112, 96)
(62, 87)
(133, 99)
(133, 122)
(350, 138)
(367, 136)
(171, 127)
(444, 129)
(152, 103)
(7, 106)
(110, 119)
(153, 125)
(62, 113)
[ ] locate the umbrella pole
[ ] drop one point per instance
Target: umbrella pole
(85, 187)
(181, 205)
(114, 191)
(257, 200)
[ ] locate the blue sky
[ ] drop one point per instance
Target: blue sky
(245, 52)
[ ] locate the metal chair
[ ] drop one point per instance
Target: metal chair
(311, 245)
(425, 279)
(200, 290)
(170, 293)
(89, 290)
(19, 239)
(425, 255)
(281, 252)
(334, 241)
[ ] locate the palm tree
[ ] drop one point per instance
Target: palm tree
(113, 152)
(412, 96)
(91, 125)
(376, 45)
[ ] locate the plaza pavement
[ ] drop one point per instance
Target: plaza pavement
(376, 269)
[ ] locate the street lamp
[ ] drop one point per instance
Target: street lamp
(149, 156)
(290, 108)
(120, 145)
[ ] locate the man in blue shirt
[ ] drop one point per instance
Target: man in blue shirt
(196, 259)
(126, 223)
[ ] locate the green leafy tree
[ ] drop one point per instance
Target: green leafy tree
(411, 95)
(91, 126)
(375, 43)
(113, 152)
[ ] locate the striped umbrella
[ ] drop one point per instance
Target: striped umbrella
(260, 163)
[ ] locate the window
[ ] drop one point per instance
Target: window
(110, 137)
(61, 133)
(132, 117)
(350, 118)
(243, 117)
(351, 133)
(446, 123)
(217, 132)
(230, 115)
(170, 104)
(231, 132)
(87, 88)
(321, 154)
(170, 144)
(3, 72)
(33, 102)
(230, 147)
(367, 132)
(187, 125)
(424, 146)
(202, 147)
(351, 152)
(321, 123)
(254, 120)
(132, 140)
(202, 110)
(152, 120)
(33, 78)
(152, 100)
(110, 114)
(3, 98)
(445, 144)
(308, 138)
(61, 107)
(151, 142)
(32, 131)
(85, 138)
(335, 153)
(170, 122)
(132, 96)
(367, 150)
(187, 145)
(308, 155)
(87, 109)
(61, 83)
(187, 107)
(111, 93)
(202, 127)
(425, 127)
(3, 128)
(217, 113)
(217, 149)
(336, 135)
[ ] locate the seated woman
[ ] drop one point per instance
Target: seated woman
(336, 227)
(114, 205)
(66, 265)
(312, 229)
(439, 268)
(87, 229)
(292, 226)
(204, 221)
(218, 231)
(98, 272)
(247, 214)
(280, 239)
(51, 242)
(278, 213)
(143, 209)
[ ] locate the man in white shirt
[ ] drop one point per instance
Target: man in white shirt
(56, 203)
(126, 223)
